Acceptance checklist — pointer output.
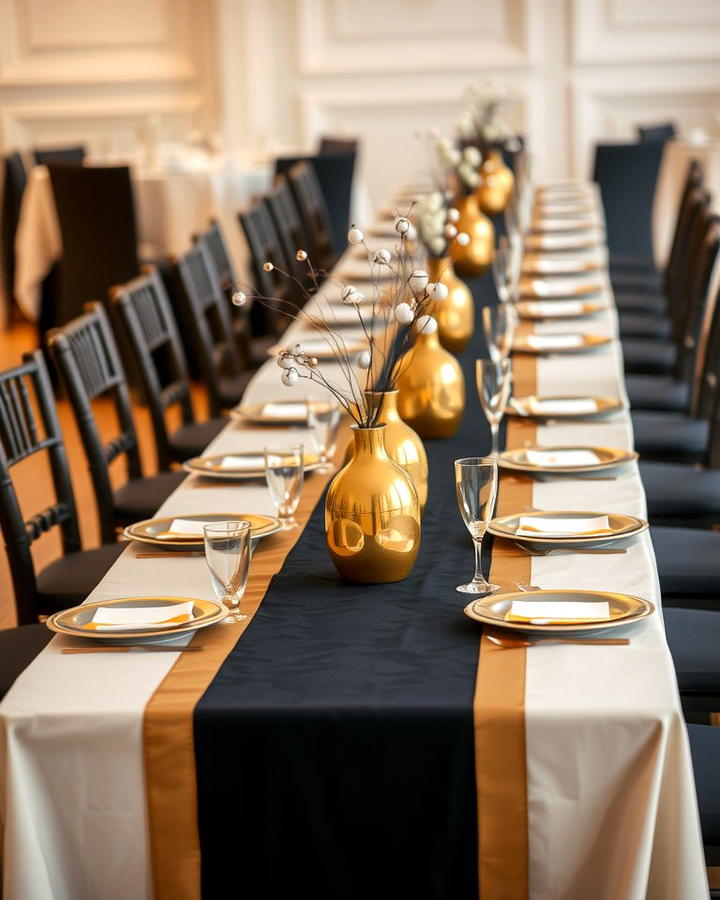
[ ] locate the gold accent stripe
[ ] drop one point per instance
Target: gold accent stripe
(168, 736)
(499, 702)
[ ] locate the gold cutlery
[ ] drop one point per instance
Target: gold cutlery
(560, 550)
(125, 648)
(168, 554)
(509, 643)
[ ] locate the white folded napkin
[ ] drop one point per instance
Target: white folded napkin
(560, 241)
(548, 459)
(285, 411)
(555, 308)
(566, 406)
(241, 463)
(187, 527)
(554, 341)
(558, 611)
(555, 266)
(563, 287)
(115, 618)
(554, 526)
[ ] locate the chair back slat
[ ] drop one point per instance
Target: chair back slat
(314, 212)
(693, 182)
(289, 227)
(13, 183)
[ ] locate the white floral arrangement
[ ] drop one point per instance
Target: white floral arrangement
(460, 166)
(391, 313)
(481, 122)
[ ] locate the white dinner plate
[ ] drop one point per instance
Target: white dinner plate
(621, 526)
(241, 466)
(157, 533)
(523, 406)
(607, 458)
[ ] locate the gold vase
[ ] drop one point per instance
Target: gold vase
(473, 260)
(456, 313)
(431, 389)
(372, 514)
(402, 444)
(496, 184)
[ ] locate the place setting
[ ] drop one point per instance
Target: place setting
(563, 407)
(544, 310)
(548, 287)
(558, 343)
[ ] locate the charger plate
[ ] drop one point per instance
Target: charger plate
(210, 466)
(624, 609)
(525, 310)
(608, 456)
(71, 621)
(149, 530)
(522, 344)
(605, 405)
(621, 526)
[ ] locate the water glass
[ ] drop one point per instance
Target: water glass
(227, 553)
(324, 418)
(476, 481)
(284, 469)
(499, 324)
(494, 379)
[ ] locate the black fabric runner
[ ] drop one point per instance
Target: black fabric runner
(335, 746)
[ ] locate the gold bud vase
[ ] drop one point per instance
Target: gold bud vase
(402, 444)
(431, 389)
(455, 314)
(473, 260)
(496, 184)
(372, 514)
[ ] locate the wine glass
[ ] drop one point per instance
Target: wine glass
(227, 553)
(476, 481)
(493, 383)
(500, 270)
(499, 324)
(284, 469)
(324, 418)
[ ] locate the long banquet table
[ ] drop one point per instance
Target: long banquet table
(365, 741)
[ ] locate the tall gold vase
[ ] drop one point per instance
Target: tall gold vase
(372, 514)
(496, 184)
(456, 313)
(402, 444)
(473, 260)
(431, 389)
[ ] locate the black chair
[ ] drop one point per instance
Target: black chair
(29, 425)
(663, 131)
(290, 228)
(74, 156)
(13, 181)
(145, 315)
(627, 174)
(335, 173)
(96, 213)
(208, 328)
(330, 144)
(87, 358)
(314, 214)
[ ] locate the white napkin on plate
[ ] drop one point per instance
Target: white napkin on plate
(554, 341)
(555, 308)
(559, 611)
(548, 459)
(285, 410)
(554, 526)
(116, 618)
(250, 463)
(187, 527)
(566, 406)
(555, 266)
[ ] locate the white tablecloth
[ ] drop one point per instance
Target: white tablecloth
(611, 800)
(170, 207)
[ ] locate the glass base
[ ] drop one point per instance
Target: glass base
(479, 588)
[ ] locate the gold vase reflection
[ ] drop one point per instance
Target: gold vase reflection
(372, 514)
(496, 184)
(431, 389)
(474, 259)
(455, 314)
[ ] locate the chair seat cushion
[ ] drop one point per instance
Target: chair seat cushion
(654, 304)
(674, 490)
(638, 281)
(190, 440)
(644, 325)
(18, 648)
(632, 263)
(69, 580)
(669, 436)
(657, 392)
(693, 636)
(649, 357)
(140, 498)
(688, 561)
(232, 387)
(705, 750)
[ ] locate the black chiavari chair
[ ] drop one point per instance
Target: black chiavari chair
(289, 227)
(73, 156)
(13, 182)
(314, 213)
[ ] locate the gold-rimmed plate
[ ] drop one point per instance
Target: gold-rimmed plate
(562, 224)
(541, 310)
(157, 531)
(608, 457)
(323, 349)
(562, 407)
(72, 622)
(238, 466)
(562, 241)
(559, 287)
(539, 266)
(624, 610)
(274, 412)
(539, 344)
(620, 526)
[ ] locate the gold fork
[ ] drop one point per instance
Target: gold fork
(510, 643)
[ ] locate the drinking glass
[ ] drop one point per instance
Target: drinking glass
(500, 270)
(324, 419)
(499, 324)
(227, 552)
(493, 383)
(476, 480)
(284, 469)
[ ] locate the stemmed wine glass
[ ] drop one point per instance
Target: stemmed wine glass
(324, 418)
(499, 324)
(284, 470)
(494, 380)
(227, 553)
(476, 480)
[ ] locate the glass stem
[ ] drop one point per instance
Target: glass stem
(479, 577)
(495, 435)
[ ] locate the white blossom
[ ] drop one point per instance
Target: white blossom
(463, 238)
(402, 225)
(355, 236)
(418, 281)
(426, 325)
(404, 313)
(436, 290)
(450, 231)
(453, 215)
(364, 359)
(239, 298)
(289, 377)
(382, 257)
